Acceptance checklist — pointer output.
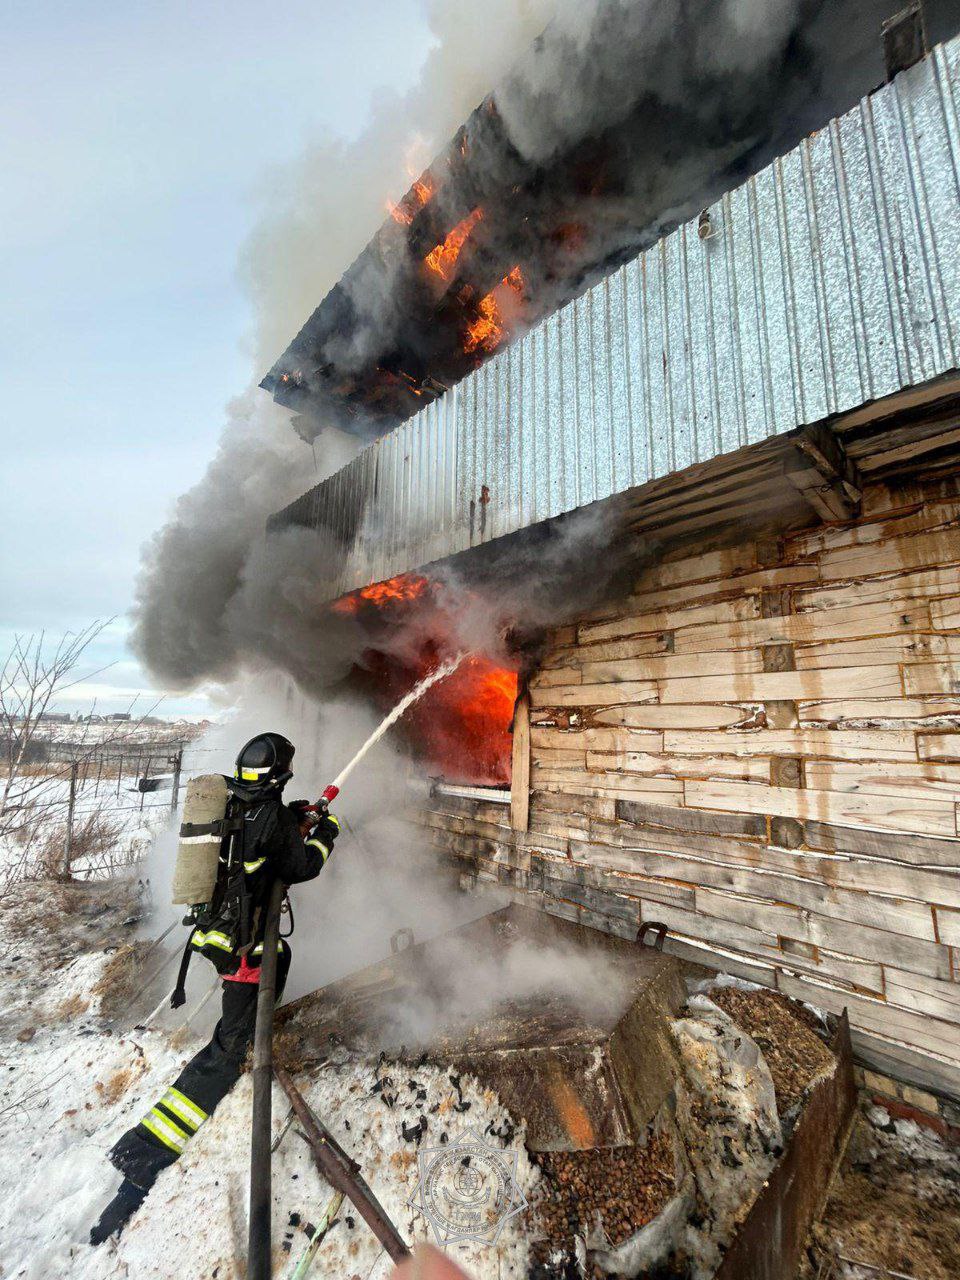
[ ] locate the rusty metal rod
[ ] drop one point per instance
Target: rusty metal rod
(342, 1173)
(258, 1239)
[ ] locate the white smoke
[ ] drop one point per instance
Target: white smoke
(380, 878)
(211, 595)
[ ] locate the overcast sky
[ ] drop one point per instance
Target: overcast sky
(134, 140)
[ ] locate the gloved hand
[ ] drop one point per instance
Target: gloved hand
(327, 828)
(302, 811)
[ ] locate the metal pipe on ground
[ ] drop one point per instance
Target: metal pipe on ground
(343, 1174)
(258, 1240)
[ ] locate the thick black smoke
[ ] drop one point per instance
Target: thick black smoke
(624, 118)
(688, 97)
(213, 597)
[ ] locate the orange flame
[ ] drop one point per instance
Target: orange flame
(408, 586)
(460, 727)
(406, 210)
(486, 332)
(442, 259)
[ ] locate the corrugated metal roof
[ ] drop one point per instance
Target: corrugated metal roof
(830, 279)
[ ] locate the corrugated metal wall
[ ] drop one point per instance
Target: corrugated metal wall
(830, 279)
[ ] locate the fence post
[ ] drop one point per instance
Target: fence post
(119, 773)
(177, 766)
(71, 804)
(143, 789)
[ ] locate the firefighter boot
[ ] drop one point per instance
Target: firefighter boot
(118, 1212)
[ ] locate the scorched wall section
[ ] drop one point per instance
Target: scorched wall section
(761, 747)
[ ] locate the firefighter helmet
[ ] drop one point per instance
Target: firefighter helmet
(265, 760)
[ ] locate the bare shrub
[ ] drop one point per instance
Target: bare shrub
(120, 979)
(40, 779)
(72, 1007)
(92, 848)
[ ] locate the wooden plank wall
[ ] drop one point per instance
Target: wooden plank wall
(760, 746)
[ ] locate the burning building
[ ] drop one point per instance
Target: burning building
(704, 488)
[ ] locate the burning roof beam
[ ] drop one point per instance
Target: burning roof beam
(402, 323)
(800, 305)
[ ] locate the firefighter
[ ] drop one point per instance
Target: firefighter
(279, 841)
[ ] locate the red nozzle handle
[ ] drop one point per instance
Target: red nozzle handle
(330, 793)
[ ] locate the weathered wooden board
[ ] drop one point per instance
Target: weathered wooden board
(666, 619)
(948, 926)
(864, 941)
(582, 740)
(936, 781)
(938, 746)
(828, 744)
(865, 975)
(594, 695)
(729, 662)
(797, 686)
(945, 614)
(913, 647)
(548, 676)
(894, 1058)
(880, 911)
(754, 767)
(902, 587)
(921, 551)
(671, 571)
(871, 529)
(520, 774)
(893, 845)
(876, 711)
(922, 679)
(926, 817)
(926, 995)
(653, 716)
(880, 1017)
(654, 815)
(846, 622)
(708, 585)
(634, 647)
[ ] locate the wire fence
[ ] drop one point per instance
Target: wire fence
(89, 810)
(144, 767)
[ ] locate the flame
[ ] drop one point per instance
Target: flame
(406, 210)
(442, 259)
(463, 723)
(486, 331)
(461, 728)
(408, 586)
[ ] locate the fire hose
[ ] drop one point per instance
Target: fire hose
(331, 792)
(258, 1240)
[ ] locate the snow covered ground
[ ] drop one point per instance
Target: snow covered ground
(70, 1084)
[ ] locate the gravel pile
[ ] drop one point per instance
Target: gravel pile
(783, 1031)
(623, 1187)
